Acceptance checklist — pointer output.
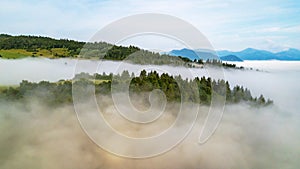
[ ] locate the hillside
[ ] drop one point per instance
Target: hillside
(22, 46)
(14, 47)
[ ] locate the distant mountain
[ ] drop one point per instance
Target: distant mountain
(224, 53)
(291, 54)
(194, 54)
(246, 54)
(231, 58)
(255, 54)
(204, 54)
(250, 54)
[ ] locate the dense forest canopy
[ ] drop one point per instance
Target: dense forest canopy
(36, 42)
(61, 92)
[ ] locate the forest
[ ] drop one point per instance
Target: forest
(176, 89)
(12, 47)
(33, 45)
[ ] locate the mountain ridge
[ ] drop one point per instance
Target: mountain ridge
(231, 58)
(257, 54)
(246, 54)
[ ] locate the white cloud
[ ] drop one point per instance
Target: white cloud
(227, 24)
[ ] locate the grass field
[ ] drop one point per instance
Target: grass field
(2, 88)
(14, 53)
(21, 53)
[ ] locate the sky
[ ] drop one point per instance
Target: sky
(228, 24)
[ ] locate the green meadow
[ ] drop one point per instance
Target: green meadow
(21, 53)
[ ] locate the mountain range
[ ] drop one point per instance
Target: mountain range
(194, 54)
(247, 54)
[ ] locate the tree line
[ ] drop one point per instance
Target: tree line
(175, 88)
(34, 43)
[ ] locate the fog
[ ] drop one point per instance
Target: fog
(38, 69)
(275, 79)
(37, 136)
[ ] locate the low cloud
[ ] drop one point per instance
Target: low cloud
(38, 136)
(34, 135)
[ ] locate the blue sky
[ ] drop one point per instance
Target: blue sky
(229, 24)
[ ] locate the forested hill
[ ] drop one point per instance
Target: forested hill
(37, 42)
(13, 47)
(49, 47)
(23, 46)
(34, 46)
